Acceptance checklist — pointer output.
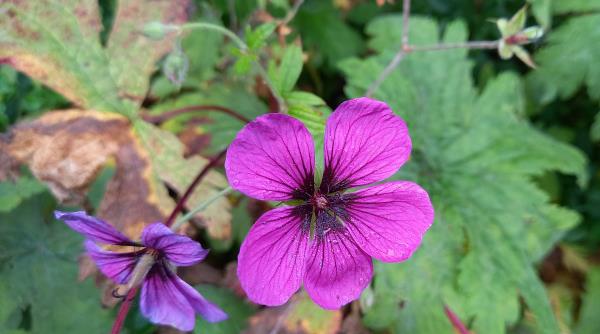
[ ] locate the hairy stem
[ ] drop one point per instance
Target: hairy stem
(244, 48)
(456, 323)
(181, 203)
(292, 13)
(161, 118)
(406, 48)
(123, 310)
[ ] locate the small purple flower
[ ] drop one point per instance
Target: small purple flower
(166, 299)
(272, 158)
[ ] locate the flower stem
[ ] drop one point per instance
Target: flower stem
(158, 119)
(244, 48)
(126, 305)
(455, 321)
(123, 310)
(181, 203)
(200, 208)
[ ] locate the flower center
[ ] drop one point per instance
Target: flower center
(319, 201)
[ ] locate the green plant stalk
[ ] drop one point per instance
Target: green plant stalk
(244, 48)
(200, 208)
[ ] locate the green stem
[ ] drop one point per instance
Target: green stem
(200, 208)
(244, 48)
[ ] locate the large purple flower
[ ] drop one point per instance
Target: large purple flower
(272, 158)
(166, 299)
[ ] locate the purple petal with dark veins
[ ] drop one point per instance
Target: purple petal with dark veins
(388, 221)
(116, 266)
(177, 248)
(93, 228)
(272, 257)
(272, 158)
(365, 142)
(337, 270)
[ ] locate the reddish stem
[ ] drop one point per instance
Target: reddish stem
(455, 320)
(126, 305)
(123, 310)
(158, 119)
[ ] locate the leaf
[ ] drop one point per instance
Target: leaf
(299, 315)
(325, 33)
(476, 156)
(256, 39)
(170, 166)
(571, 6)
(13, 193)
(287, 73)
(542, 10)
(237, 310)
(566, 63)
(39, 261)
(57, 43)
(67, 150)
(588, 319)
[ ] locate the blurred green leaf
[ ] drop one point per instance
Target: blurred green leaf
(13, 193)
(571, 6)
(588, 319)
(475, 155)
(257, 38)
(39, 259)
(595, 129)
(237, 310)
(567, 62)
(286, 75)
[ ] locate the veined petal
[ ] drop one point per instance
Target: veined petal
(272, 257)
(177, 248)
(209, 311)
(337, 270)
(93, 228)
(116, 266)
(163, 303)
(364, 143)
(389, 220)
(272, 158)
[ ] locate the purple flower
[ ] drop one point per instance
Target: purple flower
(166, 299)
(272, 158)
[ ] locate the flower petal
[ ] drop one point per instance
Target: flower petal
(209, 311)
(364, 143)
(93, 228)
(271, 259)
(177, 248)
(272, 158)
(389, 220)
(116, 266)
(337, 270)
(163, 303)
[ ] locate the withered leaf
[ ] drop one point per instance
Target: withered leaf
(67, 149)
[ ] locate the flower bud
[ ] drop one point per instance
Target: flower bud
(176, 65)
(157, 30)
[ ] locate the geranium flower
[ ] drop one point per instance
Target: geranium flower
(272, 158)
(165, 299)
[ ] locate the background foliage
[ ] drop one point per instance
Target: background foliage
(509, 155)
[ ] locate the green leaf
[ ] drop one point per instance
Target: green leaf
(325, 33)
(588, 319)
(284, 77)
(257, 38)
(13, 193)
(476, 156)
(567, 62)
(571, 6)
(39, 262)
(237, 310)
(542, 10)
